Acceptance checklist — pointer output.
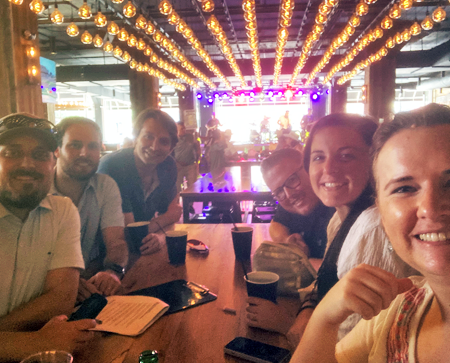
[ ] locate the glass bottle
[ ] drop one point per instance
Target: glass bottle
(149, 356)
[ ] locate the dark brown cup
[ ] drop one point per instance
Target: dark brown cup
(262, 284)
(242, 242)
(176, 246)
(136, 233)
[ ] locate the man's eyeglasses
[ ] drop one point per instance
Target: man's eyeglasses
(292, 182)
(21, 120)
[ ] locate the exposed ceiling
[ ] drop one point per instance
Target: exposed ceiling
(67, 51)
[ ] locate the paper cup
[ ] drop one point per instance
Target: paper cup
(242, 242)
(136, 233)
(262, 284)
(176, 246)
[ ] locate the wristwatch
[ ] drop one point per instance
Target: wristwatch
(114, 267)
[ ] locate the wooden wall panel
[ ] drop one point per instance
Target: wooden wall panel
(17, 95)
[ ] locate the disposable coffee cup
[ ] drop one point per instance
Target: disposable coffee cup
(53, 356)
(242, 242)
(176, 246)
(262, 284)
(137, 231)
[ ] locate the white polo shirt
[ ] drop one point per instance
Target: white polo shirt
(48, 239)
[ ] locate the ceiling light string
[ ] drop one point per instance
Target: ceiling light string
(252, 35)
(324, 9)
(284, 22)
(182, 28)
(373, 34)
(399, 38)
(217, 31)
(56, 16)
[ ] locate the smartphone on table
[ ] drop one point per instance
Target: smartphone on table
(257, 352)
(89, 308)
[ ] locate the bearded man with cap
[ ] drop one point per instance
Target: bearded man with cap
(40, 250)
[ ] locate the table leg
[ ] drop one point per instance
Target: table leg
(186, 203)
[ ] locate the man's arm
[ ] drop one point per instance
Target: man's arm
(107, 282)
(58, 298)
(57, 334)
(278, 232)
(172, 215)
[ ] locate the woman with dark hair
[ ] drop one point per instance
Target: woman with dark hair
(411, 166)
(147, 174)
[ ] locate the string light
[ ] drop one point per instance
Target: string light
(141, 22)
(57, 17)
(117, 52)
(252, 37)
(16, 2)
(86, 37)
(286, 13)
(132, 41)
(208, 6)
(84, 11)
(100, 20)
(98, 41)
(37, 6)
(387, 23)
(108, 47)
(415, 29)
(438, 15)
(113, 28)
(406, 4)
(427, 23)
(129, 10)
(395, 12)
(123, 35)
(72, 30)
(165, 7)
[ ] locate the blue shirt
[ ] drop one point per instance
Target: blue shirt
(121, 166)
(99, 208)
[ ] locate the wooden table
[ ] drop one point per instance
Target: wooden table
(196, 335)
(229, 188)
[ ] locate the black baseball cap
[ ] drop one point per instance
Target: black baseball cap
(22, 124)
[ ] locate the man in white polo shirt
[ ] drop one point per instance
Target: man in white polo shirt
(40, 249)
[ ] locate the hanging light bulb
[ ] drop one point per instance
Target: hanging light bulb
(132, 41)
(427, 23)
(395, 12)
(150, 28)
(72, 30)
(129, 10)
(16, 2)
(318, 28)
(406, 35)
(117, 1)
(398, 38)
(370, 2)
(324, 8)
(165, 7)
(415, 29)
(117, 51)
(390, 42)
(148, 51)
(100, 20)
(354, 21)
(108, 47)
(98, 41)
(123, 35)
(31, 52)
(141, 44)
(406, 4)
(113, 28)
(86, 37)
(126, 56)
(383, 51)
(320, 18)
(133, 63)
(208, 6)
(57, 17)
(387, 23)
(248, 5)
(286, 23)
(84, 11)
(37, 6)
(173, 18)
(157, 36)
(362, 9)
(141, 22)
(438, 15)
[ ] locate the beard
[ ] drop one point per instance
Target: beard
(27, 199)
(71, 170)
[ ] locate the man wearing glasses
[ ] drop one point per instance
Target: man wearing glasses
(300, 217)
(40, 249)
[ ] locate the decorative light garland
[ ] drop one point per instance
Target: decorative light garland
(216, 29)
(399, 38)
(252, 34)
(165, 7)
(284, 22)
(314, 35)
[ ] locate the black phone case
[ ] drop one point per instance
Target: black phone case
(90, 308)
(257, 352)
